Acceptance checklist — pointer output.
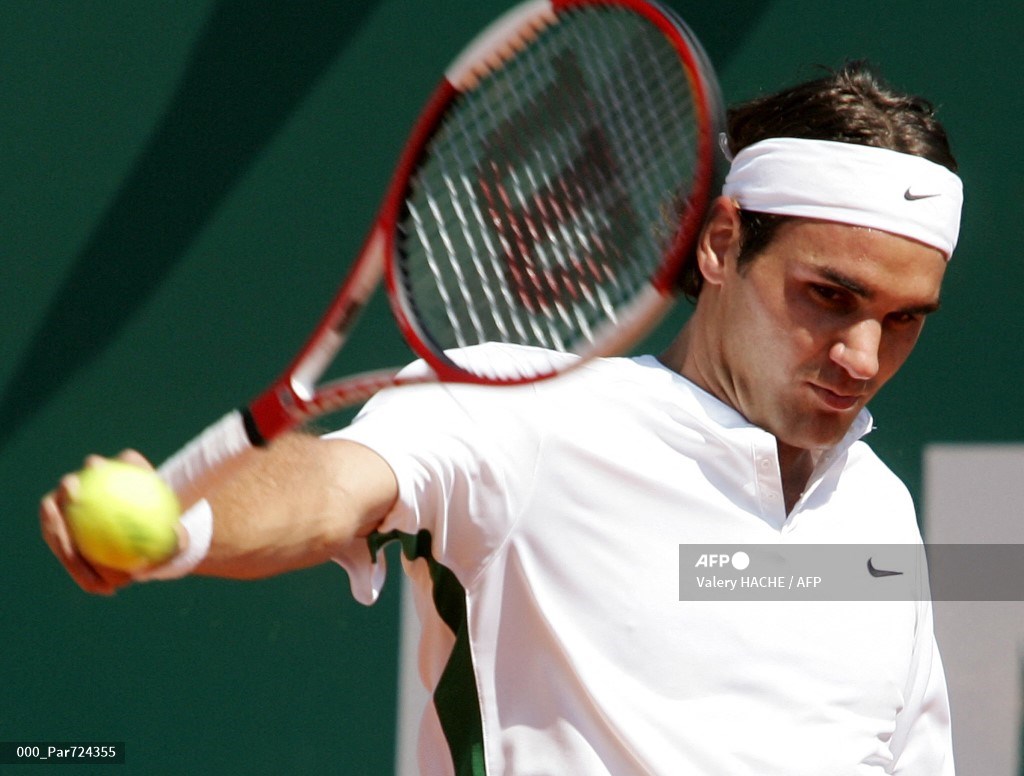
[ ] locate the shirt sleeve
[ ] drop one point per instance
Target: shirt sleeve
(922, 742)
(463, 459)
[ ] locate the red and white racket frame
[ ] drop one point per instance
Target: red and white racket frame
(295, 397)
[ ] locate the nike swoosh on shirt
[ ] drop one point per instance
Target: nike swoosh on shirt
(881, 572)
(910, 196)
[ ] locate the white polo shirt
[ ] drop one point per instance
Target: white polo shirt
(544, 524)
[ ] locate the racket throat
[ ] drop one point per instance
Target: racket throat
(273, 413)
(302, 382)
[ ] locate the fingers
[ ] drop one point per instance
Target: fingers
(135, 458)
(183, 537)
(54, 527)
(58, 539)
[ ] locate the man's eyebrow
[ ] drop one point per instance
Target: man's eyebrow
(844, 281)
(922, 309)
(859, 289)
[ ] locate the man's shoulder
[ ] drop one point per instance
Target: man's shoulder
(502, 358)
(581, 391)
(568, 372)
(866, 469)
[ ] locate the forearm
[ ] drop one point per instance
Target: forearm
(292, 505)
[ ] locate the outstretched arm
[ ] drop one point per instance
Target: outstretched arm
(288, 506)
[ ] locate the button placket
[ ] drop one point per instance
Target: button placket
(769, 484)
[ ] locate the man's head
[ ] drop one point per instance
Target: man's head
(850, 105)
(802, 316)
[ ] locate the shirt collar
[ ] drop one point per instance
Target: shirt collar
(719, 414)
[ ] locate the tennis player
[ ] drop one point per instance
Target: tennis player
(541, 524)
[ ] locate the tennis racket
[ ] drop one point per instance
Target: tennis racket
(547, 196)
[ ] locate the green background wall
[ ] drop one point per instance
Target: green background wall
(180, 186)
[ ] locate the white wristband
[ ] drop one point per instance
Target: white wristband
(198, 524)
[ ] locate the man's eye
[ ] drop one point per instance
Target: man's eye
(903, 319)
(827, 293)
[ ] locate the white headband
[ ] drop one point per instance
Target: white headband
(852, 184)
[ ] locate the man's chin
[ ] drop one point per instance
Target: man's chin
(816, 437)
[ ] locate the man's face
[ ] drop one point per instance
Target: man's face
(819, 321)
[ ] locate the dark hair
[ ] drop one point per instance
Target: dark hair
(850, 105)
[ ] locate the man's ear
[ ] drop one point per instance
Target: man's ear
(720, 240)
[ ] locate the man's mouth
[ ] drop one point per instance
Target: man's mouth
(835, 400)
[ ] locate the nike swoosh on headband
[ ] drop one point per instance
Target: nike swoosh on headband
(910, 196)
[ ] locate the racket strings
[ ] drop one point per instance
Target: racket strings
(545, 275)
(579, 256)
(530, 285)
(551, 192)
(529, 235)
(662, 150)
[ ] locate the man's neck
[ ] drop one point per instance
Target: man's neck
(795, 464)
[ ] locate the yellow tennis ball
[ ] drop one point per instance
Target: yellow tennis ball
(123, 516)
